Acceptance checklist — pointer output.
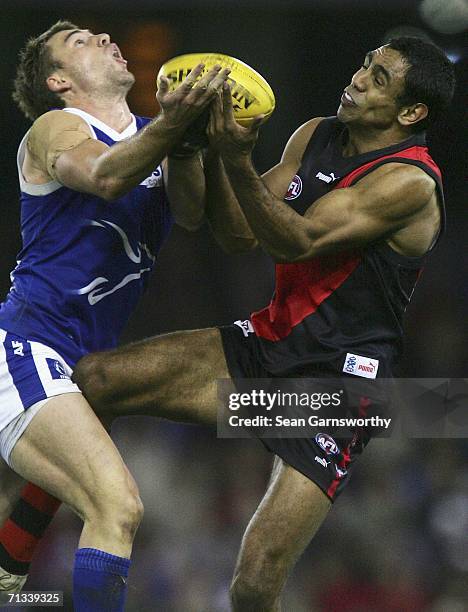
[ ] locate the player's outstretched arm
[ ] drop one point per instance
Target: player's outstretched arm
(383, 203)
(225, 216)
(184, 180)
(62, 147)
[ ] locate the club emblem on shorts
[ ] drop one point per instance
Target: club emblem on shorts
(327, 443)
(56, 369)
(246, 327)
(340, 473)
(294, 189)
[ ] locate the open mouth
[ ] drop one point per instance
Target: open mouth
(347, 100)
(117, 55)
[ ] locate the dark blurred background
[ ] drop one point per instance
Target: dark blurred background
(397, 538)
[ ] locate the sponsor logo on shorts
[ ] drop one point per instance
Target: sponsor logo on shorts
(322, 461)
(327, 443)
(246, 327)
(360, 366)
(294, 189)
(18, 348)
(326, 178)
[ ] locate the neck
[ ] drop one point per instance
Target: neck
(364, 139)
(114, 112)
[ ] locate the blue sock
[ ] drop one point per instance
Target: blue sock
(99, 581)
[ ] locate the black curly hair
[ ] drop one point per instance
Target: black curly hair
(430, 78)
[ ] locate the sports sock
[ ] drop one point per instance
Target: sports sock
(24, 529)
(99, 581)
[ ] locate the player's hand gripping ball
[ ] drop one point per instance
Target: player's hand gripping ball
(251, 94)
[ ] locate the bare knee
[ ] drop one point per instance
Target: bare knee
(94, 377)
(257, 589)
(117, 510)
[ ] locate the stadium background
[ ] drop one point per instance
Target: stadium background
(397, 538)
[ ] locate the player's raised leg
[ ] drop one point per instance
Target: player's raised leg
(172, 376)
(287, 518)
(66, 451)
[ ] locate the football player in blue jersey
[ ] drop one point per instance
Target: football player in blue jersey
(98, 197)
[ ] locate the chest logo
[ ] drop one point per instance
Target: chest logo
(326, 178)
(142, 257)
(294, 189)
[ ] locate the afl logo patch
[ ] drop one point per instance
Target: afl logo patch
(294, 189)
(327, 443)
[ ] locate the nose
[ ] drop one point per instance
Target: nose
(359, 80)
(103, 40)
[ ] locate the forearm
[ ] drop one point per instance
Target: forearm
(280, 231)
(185, 186)
(124, 165)
(226, 218)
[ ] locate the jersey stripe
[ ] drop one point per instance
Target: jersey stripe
(301, 288)
(416, 153)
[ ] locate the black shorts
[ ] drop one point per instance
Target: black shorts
(325, 459)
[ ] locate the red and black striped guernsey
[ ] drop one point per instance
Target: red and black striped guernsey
(349, 302)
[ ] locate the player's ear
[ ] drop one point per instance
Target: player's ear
(58, 83)
(409, 115)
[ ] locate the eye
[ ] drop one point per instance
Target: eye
(79, 41)
(378, 82)
(365, 66)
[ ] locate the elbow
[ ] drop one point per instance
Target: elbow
(107, 188)
(294, 254)
(190, 224)
(238, 247)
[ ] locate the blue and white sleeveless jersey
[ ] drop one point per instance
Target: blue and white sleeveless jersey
(85, 262)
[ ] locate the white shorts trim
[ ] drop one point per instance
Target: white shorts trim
(10, 435)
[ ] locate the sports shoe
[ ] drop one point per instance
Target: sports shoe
(9, 583)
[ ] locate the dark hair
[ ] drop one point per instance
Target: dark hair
(430, 78)
(36, 63)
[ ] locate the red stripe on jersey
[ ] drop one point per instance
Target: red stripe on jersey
(416, 153)
(19, 544)
(39, 499)
(300, 289)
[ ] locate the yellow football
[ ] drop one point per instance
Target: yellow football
(251, 94)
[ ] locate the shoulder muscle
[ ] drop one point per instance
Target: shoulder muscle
(394, 190)
(52, 134)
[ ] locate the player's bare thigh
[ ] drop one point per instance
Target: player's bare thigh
(66, 451)
(172, 376)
